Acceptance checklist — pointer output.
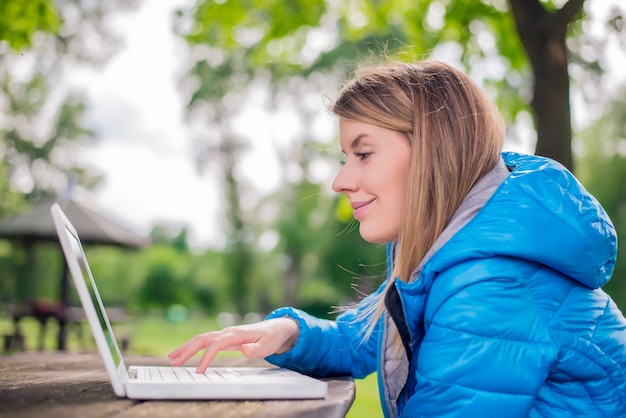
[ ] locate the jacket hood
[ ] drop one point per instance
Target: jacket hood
(541, 213)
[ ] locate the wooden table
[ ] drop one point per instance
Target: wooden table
(76, 385)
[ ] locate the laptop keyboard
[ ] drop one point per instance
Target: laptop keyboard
(185, 374)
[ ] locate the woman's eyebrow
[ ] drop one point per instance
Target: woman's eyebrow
(355, 142)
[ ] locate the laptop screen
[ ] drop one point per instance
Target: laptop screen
(77, 251)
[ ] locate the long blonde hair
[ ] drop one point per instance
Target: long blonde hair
(456, 138)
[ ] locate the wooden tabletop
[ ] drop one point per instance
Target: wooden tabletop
(76, 385)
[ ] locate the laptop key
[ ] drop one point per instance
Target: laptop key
(183, 374)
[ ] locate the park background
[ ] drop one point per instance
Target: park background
(202, 125)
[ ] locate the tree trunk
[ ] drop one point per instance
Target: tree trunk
(543, 36)
(239, 260)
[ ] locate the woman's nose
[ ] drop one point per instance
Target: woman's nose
(344, 180)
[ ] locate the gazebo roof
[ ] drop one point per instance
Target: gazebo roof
(93, 227)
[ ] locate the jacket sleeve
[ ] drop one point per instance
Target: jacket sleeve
(326, 348)
(486, 350)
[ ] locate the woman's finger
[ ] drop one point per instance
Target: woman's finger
(210, 352)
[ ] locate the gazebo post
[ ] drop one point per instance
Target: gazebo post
(64, 299)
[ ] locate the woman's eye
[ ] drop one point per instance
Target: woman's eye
(362, 155)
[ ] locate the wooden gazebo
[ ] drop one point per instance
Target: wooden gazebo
(94, 228)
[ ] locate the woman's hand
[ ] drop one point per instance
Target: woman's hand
(272, 336)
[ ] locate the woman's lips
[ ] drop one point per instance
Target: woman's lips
(359, 208)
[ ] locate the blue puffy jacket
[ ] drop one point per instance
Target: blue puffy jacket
(505, 317)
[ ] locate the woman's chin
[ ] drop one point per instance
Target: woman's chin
(375, 237)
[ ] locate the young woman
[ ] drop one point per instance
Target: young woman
(493, 305)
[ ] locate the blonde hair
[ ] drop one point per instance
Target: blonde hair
(456, 138)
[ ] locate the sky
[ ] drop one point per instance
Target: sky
(144, 147)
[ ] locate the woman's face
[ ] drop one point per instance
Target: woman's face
(374, 177)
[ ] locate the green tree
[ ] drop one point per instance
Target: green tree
(160, 288)
(43, 114)
(154, 277)
(521, 51)
(19, 21)
(42, 124)
(167, 279)
(246, 39)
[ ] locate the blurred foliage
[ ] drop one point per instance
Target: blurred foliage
(155, 278)
(602, 169)
(29, 271)
(162, 287)
(42, 125)
(248, 38)
(299, 50)
(234, 44)
(11, 202)
(296, 245)
(162, 234)
(151, 279)
(20, 20)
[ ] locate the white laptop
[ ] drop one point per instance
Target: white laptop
(143, 382)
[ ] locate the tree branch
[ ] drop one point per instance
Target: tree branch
(567, 13)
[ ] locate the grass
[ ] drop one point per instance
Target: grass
(154, 335)
(367, 402)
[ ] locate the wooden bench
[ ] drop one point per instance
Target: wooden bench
(46, 310)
